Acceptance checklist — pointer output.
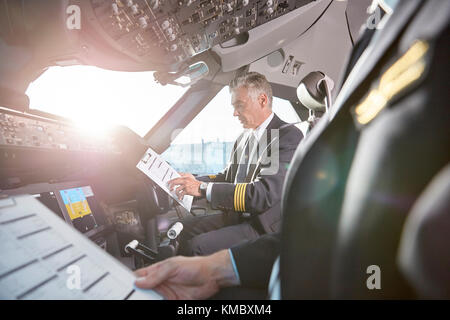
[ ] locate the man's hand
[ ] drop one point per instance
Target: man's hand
(185, 278)
(187, 185)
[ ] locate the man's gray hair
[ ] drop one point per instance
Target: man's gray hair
(256, 83)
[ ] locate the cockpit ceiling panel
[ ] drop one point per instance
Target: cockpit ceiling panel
(167, 32)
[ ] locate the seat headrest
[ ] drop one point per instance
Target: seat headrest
(311, 93)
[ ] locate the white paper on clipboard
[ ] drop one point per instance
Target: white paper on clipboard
(157, 169)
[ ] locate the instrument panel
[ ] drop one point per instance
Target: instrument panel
(172, 31)
(20, 130)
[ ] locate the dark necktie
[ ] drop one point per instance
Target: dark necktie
(245, 158)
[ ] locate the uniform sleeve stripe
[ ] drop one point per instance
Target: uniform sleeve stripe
(239, 197)
(243, 196)
(236, 190)
(235, 193)
(241, 187)
(241, 205)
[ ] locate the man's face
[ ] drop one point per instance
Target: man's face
(250, 113)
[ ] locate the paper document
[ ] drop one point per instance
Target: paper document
(157, 169)
(42, 257)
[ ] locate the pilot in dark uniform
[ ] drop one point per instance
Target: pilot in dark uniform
(248, 191)
(387, 140)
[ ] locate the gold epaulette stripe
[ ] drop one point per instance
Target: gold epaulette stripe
(401, 75)
(239, 197)
(212, 176)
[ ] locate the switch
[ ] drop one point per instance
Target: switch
(287, 64)
(296, 68)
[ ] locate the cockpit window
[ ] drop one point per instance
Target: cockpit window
(205, 145)
(96, 99)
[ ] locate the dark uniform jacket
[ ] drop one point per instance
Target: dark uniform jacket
(260, 193)
(388, 138)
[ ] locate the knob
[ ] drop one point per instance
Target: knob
(165, 24)
(154, 4)
(115, 9)
(175, 230)
(245, 3)
(134, 9)
(173, 47)
(129, 3)
(142, 22)
(269, 11)
(269, 3)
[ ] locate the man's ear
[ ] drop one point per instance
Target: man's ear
(263, 100)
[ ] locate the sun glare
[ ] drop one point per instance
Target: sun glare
(96, 99)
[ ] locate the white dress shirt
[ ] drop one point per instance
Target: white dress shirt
(258, 132)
